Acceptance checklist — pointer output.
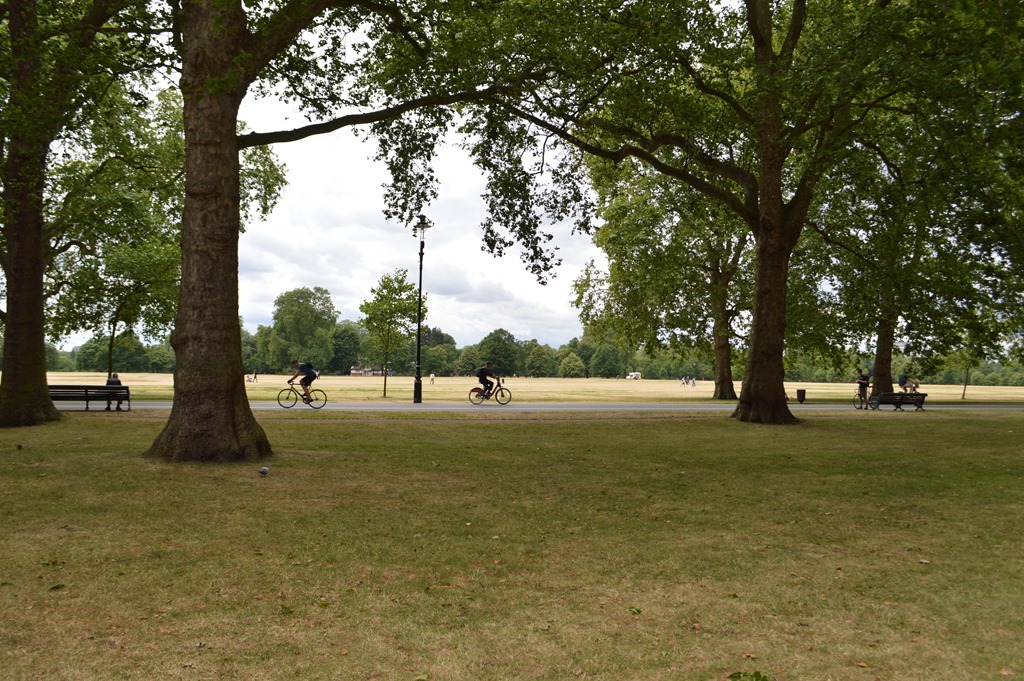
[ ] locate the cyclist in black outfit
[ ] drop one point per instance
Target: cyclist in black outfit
(309, 375)
(483, 374)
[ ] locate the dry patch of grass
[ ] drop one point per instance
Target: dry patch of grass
(456, 389)
(554, 547)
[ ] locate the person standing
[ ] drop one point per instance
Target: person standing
(863, 381)
(114, 380)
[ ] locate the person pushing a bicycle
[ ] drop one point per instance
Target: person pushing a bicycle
(484, 374)
(309, 374)
(863, 381)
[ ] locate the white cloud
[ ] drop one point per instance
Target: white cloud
(328, 230)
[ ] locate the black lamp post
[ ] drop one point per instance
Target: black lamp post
(417, 387)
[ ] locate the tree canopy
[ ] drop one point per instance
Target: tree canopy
(389, 316)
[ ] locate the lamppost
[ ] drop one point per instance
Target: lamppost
(417, 387)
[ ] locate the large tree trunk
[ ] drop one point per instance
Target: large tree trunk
(724, 387)
(210, 419)
(776, 228)
(763, 395)
(882, 377)
(24, 397)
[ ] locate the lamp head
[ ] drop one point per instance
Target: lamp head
(423, 225)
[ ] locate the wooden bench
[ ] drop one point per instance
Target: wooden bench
(897, 400)
(91, 393)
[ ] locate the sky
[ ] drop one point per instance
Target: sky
(328, 230)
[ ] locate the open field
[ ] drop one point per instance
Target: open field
(464, 547)
(455, 389)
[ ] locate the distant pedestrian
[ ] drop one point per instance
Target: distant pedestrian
(431, 379)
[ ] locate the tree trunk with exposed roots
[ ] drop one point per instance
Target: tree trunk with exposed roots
(763, 395)
(211, 419)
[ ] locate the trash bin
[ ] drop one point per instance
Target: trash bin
(801, 395)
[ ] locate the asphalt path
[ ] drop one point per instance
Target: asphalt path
(552, 407)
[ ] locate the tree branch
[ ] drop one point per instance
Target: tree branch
(254, 139)
(647, 156)
(704, 87)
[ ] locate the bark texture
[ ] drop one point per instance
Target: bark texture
(724, 387)
(24, 396)
(763, 395)
(881, 380)
(211, 419)
(30, 126)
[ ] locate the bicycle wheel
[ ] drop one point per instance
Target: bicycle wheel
(858, 401)
(287, 398)
(476, 396)
(318, 398)
(503, 395)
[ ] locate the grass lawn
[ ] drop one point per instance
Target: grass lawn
(457, 547)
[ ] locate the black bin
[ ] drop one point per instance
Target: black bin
(801, 395)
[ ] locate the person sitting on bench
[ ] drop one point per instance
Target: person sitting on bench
(114, 380)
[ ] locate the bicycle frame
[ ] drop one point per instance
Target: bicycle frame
(291, 395)
(500, 393)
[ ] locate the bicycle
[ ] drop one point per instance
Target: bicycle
(501, 394)
(859, 401)
(288, 397)
(864, 401)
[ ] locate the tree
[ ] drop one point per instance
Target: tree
(346, 338)
(902, 207)
(304, 324)
(606, 362)
(129, 355)
(57, 360)
(59, 60)
(468, 362)
(748, 103)
(303, 50)
(390, 315)
(541, 361)
(678, 267)
(571, 366)
(432, 336)
(440, 359)
(115, 225)
(501, 349)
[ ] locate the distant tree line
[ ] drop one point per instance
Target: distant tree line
(306, 326)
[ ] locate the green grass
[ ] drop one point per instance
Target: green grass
(509, 546)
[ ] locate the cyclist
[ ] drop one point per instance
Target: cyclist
(483, 374)
(863, 381)
(309, 374)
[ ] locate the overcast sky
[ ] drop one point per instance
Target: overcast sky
(328, 230)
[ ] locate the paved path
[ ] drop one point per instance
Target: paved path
(589, 407)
